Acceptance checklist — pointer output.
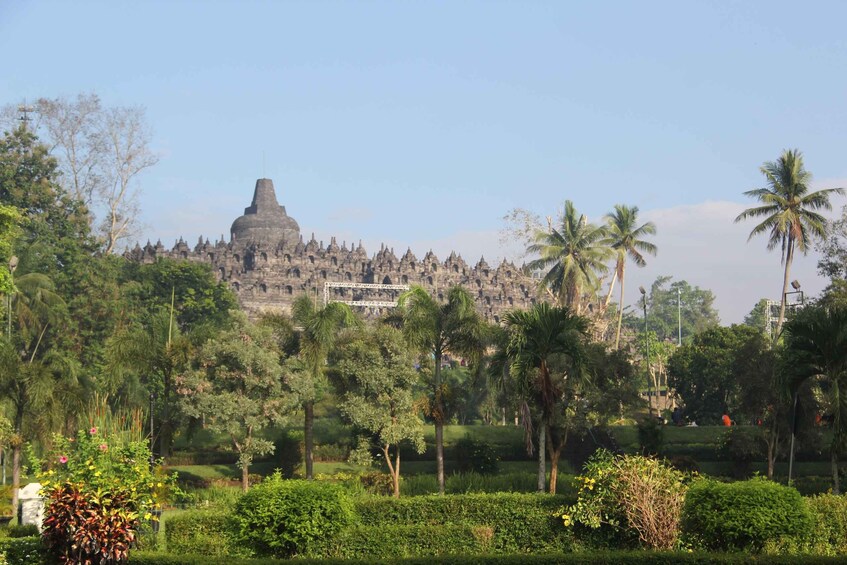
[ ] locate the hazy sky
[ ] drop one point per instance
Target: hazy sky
(422, 124)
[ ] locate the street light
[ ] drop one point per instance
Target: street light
(679, 313)
(796, 286)
(646, 347)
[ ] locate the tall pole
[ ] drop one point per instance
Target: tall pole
(679, 314)
(647, 349)
(152, 438)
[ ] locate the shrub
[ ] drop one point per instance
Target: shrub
(394, 541)
(633, 493)
(743, 515)
(651, 436)
(23, 551)
(22, 530)
(377, 483)
(829, 533)
(284, 517)
(85, 527)
(473, 455)
(519, 523)
(202, 532)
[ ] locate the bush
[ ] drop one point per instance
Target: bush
(829, 533)
(651, 436)
(284, 517)
(743, 515)
(476, 456)
(392, 541)
(519, 523)
(86, 527)
(288, 452)
(23, 551)
(201, 532)
(633, 495)
(22, 530)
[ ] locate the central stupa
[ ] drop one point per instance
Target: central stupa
(265, 221)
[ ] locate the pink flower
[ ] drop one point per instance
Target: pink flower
(92, 431)
(103, 447)
(63, 459)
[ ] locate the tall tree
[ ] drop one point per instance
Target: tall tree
(626, 241)
(788, 212)
(238, 390)
(437, 328)
(377, 376)
(817, 345)
(538, 339)
(672, 305)
(572, 253)
(319, 329)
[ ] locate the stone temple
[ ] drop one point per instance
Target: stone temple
(268, 264)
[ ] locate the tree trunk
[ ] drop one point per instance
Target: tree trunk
(16, 474)
(789, 257)
(620, 312)
(245, 477)
(542, 459)
(438, 416)
(611, 288)
(836, 483)
(555, 454)
(308, 438)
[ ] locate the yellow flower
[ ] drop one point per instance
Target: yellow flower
(91, 467)
(147, 516)
(160, 485)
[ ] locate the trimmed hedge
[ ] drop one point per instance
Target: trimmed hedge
(201, 532)
(829, 534)
(392, 541)
(521, 523)
(744, 515)
(622, 558)
(23, 551)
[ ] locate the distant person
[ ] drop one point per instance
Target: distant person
(725, 420)
(676, 416)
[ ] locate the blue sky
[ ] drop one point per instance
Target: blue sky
(422, 124)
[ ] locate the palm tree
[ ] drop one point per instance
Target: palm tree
(572, 254)
(438, 328)
(319, 328)
(817, 346)
(625, 239)
(788, 212)
(30, 371)
(537, 338)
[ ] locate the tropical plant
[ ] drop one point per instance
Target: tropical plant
(435, 329)
(319, 328)
(545, 349)
(788, 212)
(572, 254)
(625, 240)
(817, 348)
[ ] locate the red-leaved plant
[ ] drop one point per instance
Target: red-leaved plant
(89, 528)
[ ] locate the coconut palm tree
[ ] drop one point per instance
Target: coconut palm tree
(572, 254)
(318, 328)
(537, 338)
(817, 346)
(788, 212)
(625, 240)
(435, 329)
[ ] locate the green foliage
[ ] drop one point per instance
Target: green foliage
(107, 464)
(742, 446)
(22, 530)
(466, 483)
(477, 456)
(743, 515)
(10, 220)
(521, 523)
(389, 541)
(632, 494)
(202, 532)
(288, 452)
(284, 518)
(23, 551)
(697, 314)
(85, 525)
(829, 532)
(238, 389)
(710, 371)
(651, 436)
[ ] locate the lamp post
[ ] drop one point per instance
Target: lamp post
(13, 264)
(646, 348)
(679, 314)
(796, 286)
(152, 437)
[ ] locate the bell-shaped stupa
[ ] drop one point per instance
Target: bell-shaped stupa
(264, 221)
